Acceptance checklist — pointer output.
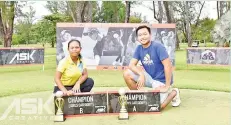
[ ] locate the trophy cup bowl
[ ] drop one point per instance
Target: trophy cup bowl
(59, 94)
(123, 115)
(59, 102)
(122, 91)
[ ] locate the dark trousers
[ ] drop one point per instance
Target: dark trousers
(86, 86)
(119, 56)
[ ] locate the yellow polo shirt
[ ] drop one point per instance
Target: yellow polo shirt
(70, 71)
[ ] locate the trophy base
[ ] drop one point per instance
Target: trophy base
(123, 116)
(59, 118)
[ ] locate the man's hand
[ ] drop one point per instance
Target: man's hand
(76, 88)
(163, 88)
(140, 82)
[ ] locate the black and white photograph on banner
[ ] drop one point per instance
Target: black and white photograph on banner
(21, 56)
(110, 46)
(223, 57)
(167, 37)
(132, 43)
(114, 47)
(92, 44)
(194, 56)
(64, 35)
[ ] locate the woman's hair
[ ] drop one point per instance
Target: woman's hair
(74, 40)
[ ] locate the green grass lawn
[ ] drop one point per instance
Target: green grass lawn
(197, 106)
(26, 79)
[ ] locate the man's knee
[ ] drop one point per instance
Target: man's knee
(127, 73)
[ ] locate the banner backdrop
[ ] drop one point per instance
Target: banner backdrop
(110, 45)
(16, 56)
(210, 56)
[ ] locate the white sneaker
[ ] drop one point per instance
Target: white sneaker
(176, 100)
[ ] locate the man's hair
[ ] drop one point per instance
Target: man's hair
(143, 26)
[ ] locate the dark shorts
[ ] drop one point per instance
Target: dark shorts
(86, 86)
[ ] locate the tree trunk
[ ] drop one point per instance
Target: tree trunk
(166, 6)
(79, 11)
(228, 7)
(127, 16)
(221, 9)
(89, 15)
(154, 11)
(161, 13)
(7, 25)
(198, 17)
(84, 11)
(218, 14)
(72, 9)
(188, 28)
(184, 31)
(2, 29)
(52, 44)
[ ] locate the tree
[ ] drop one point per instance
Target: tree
(57, 7)
(222, 8)
(113, 12)
(81, 11)
(203, 29)
(7, 16)
(128, 7)
(23, 28)
(218, 13)
(158, 13)
(135, 18)
(188, 28)
(188, 14)
(221, 31)
(45, 30)
(97, 13)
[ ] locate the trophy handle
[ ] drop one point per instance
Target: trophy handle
(61, 102)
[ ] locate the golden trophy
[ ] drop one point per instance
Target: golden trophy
(59, 102)
(123, 115)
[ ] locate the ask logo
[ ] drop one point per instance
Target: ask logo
(23, 57)
(154, 108)
(101, 109)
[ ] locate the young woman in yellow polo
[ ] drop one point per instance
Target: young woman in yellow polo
(71, 74)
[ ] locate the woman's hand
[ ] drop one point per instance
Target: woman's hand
(67, 93)
(76, 88)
